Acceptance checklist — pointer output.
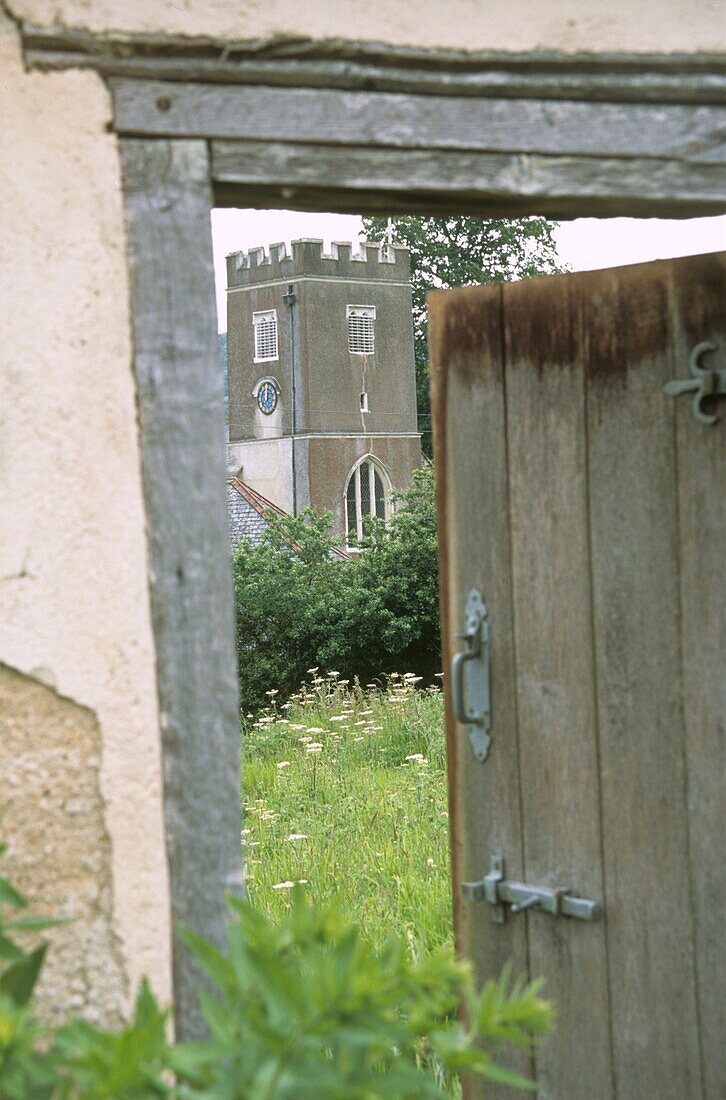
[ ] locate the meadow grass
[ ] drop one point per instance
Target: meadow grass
(345, 791)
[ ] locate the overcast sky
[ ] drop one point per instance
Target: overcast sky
(583, 244)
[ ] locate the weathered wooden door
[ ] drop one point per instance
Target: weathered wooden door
(588, 508)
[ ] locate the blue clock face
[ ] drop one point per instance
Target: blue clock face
(267, 397)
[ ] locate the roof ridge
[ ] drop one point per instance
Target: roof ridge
(261, 504)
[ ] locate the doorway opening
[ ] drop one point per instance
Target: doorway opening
(314, 736)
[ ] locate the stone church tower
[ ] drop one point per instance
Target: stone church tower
(322, 396)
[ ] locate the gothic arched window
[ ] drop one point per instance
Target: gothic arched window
(367, 493)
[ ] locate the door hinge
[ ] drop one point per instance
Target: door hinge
(476, 712)
(498, 891)
(702, 383)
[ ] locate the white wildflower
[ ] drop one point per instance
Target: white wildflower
(313, 747)
(297, 836)
(283, 885)
(283, 764)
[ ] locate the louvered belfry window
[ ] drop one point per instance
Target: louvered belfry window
(265, 326)
(361, 329)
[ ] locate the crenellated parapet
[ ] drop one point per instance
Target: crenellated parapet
(308, 258)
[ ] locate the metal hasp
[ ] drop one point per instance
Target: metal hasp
(477, 714)
(702, 383)
(499, 892)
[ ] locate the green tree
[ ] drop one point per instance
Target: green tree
(462, 251)
(297, 606)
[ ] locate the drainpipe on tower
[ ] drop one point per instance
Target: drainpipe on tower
(290, 299)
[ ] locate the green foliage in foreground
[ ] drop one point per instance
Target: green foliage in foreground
(345, 789)
(306, 1008)
(297, 605)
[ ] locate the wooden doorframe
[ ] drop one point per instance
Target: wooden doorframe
(337, 126)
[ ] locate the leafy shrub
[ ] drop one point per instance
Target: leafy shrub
(301, 1009)
(298, 606)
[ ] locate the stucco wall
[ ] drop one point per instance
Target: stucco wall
(266, 465)
(74, 610)
(571, 25)
(333, 378)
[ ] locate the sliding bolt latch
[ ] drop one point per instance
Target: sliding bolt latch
(499, 892)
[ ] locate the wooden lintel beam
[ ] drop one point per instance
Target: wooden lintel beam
(692, 134)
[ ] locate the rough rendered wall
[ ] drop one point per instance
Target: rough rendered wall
(58, 847)
(74, 611)
(572, 25)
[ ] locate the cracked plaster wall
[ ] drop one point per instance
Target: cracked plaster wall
(59, 852)
(74, 609)
(570, 25)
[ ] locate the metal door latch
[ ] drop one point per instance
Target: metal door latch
(498, 891)
(702, 383)
(477, 714)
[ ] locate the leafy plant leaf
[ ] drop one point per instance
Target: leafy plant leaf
(18, 981)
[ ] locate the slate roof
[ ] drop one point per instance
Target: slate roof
(246, 510)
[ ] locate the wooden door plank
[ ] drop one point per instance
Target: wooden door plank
(181, 423)
(554, 673)
(699, 310)
(635, 589)
(470, 448)
(396, 120)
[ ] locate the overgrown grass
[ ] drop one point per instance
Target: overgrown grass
(346, 792)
